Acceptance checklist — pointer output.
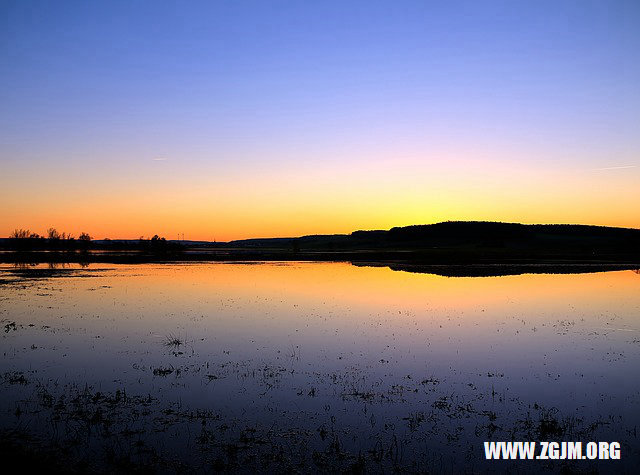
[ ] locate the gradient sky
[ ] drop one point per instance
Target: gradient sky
(243, 119)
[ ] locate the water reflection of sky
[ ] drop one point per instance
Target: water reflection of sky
(260, 339)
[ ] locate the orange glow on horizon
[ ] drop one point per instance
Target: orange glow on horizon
(274, 203)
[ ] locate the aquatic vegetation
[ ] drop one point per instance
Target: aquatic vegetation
(173, 341)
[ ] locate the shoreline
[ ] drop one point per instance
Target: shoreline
(405, 261)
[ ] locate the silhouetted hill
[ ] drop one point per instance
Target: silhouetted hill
(467, 235)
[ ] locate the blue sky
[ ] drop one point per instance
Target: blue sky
(225, 87)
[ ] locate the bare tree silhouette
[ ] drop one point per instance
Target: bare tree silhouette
(53, 234)
(20, 234)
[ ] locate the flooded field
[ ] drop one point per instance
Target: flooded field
(314, 366)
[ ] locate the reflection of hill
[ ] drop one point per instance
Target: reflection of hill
(495, 270)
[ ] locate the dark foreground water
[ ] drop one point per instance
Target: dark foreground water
(314, 367)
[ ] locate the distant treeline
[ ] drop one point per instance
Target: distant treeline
(24, 239)
(53, 240)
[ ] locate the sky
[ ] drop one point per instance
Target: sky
(233, 119)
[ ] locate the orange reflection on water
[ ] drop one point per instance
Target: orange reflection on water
(370, 287)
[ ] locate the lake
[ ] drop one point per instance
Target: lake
(315, 366)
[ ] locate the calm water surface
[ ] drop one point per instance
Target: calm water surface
(326, 365)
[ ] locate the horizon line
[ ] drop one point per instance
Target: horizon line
(327, 234)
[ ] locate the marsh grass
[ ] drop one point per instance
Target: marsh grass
(173, 341)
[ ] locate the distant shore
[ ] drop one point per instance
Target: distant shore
(449, 248)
